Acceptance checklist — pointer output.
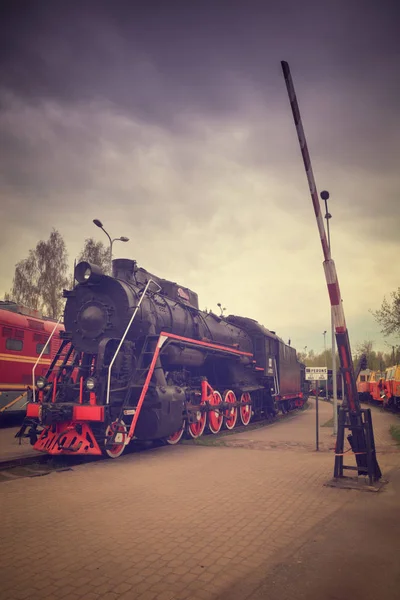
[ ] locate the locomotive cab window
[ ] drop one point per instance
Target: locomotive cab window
(13, 344)
(39, 348)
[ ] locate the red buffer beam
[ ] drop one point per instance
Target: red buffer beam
(341, 332)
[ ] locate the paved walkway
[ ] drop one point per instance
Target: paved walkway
(11, 448)
(302, 436)
(191, 522)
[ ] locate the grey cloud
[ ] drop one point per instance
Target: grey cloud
(157, 59)
(182, 139)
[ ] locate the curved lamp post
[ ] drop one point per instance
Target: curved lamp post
(99, 224)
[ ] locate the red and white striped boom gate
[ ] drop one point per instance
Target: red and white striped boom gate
(361, 440)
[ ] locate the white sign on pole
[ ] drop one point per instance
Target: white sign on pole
(316, 374)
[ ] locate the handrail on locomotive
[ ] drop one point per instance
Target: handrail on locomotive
(46, 345)
(142, 295)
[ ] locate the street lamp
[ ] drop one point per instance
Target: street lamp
(325, 197)
(98, 223)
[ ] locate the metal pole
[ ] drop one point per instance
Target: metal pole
(316, 418)
(122, 239)
(327, 216)
(40, 356)
(111, 245)
(352, 406)
(158, 288)
(325, 195)
(334, 377)
(341, 332)
(344, 399)
(326, 365)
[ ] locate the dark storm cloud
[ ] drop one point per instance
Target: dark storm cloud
(170, 122)
(157, 58)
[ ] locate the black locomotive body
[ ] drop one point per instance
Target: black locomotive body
(140, 360)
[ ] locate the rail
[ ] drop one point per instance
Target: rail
(126, 333)
(40, 356)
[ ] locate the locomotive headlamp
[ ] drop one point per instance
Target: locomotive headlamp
(40, 382)
(90, 384)
(86, 272)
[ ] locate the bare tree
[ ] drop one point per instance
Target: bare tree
(96, 253)
(53, 265)
(365, 347)
(388, 316)
(39, 279)
(25, 289)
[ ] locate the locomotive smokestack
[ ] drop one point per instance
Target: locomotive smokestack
(124, 268)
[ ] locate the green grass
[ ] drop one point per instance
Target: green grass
(395, 432)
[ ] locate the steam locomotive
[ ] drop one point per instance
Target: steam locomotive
(139, 360)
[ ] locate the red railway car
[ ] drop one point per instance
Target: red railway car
(375, 385)
(23, 336)
(363, 385)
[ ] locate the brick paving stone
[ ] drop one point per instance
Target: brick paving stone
(148, 595)
(165, 595)
(146, 524)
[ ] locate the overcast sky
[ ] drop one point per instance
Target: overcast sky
(170, 122)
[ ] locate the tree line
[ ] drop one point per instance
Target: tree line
(377, 360)
(40, 278)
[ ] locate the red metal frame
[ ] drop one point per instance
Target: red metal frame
(210, 345)
(63, 438)
(88, 413)
(206, 391)
(290, 396)
(33, 410)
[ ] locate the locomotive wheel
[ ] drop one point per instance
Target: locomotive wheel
(115, 450)
(215, 417)
(196, 429)
(176, 437)
(245, 411)
(230, 414)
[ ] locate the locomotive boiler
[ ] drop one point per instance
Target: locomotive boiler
(140, 360)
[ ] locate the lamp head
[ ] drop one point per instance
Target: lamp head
(124, 239)
(324, 195)
(98, 222)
